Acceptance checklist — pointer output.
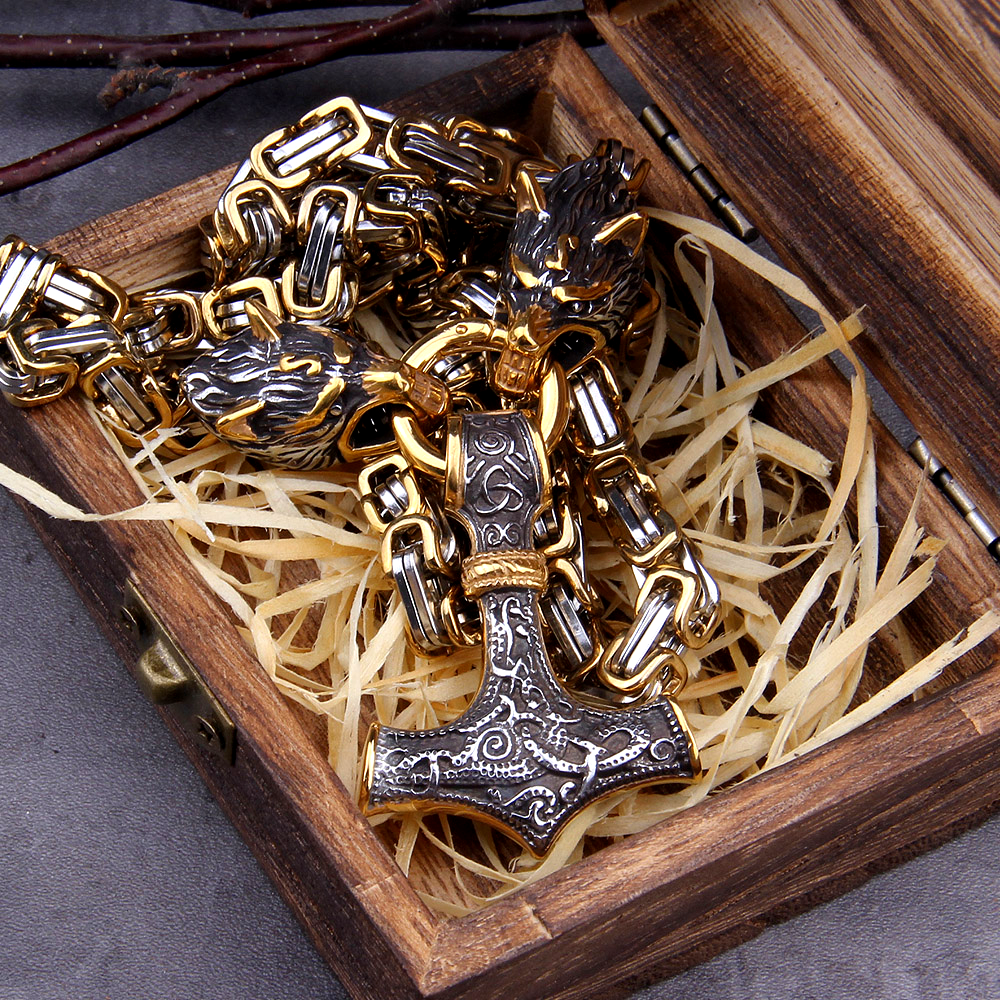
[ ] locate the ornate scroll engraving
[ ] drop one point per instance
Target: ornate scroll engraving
(526, 755)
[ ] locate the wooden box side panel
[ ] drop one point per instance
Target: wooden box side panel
(301, 823)
(656, 898)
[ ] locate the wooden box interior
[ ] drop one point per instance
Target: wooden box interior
(659, 901)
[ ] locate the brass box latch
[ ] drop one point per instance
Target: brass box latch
(169, 679)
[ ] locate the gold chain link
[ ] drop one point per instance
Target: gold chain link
(344, 208)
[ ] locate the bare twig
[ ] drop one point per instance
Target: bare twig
(202, 86)
(260, 8)
(210, 48)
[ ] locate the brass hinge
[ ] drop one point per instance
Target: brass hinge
(169, 679)
(960, 500)
(668, 139)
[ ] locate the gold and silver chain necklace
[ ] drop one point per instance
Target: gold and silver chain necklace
(521, 288)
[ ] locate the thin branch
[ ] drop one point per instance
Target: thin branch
(261, 8)
(210, 48)
(203, 86)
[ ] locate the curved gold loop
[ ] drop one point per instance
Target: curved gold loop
(687, 584)
(340, 295)
(664, 664)
(312, 166)
(553, 407)
(263, 288)
(692, 632)
(425, 527)
(116, 304)
(392, 465)
(415, 447)
(453, 338)
(189, 304)
(231, 227)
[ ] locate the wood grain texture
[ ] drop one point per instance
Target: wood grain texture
(660, 900)
(301, 823)
(812, 405)
(814, 115)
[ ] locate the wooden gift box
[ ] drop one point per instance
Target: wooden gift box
(720, 872)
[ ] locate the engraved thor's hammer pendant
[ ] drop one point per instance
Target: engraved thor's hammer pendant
(526, 755)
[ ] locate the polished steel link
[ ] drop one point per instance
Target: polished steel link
(648, 652)
(351, 208)
(79, 338)
(470, 291)
(467, 293)
(68, 296)
(164, 325)
(371, 159)
(15, 384)
(148, 334)
(401, 213)
(126, 399)
(324, 285)
(324, 245)
(22, 269)
(388, 491)
(421, 593)
(423, 146)
(571, 627)
(421, 554)
(223, 309)
(595, 413)
(248, 228)
(568, 603)
(627, 499)
(324, 137)
(678, 603)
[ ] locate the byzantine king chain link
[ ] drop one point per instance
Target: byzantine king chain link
(345, 207)
(512, 276)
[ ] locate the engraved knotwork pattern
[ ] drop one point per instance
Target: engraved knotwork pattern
(525, 753)
(502, 480)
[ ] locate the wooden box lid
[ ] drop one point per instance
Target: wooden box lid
(658, 901)
(862, 140)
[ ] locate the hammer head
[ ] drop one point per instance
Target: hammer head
(527, 755)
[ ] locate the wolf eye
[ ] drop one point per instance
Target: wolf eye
(292, 362)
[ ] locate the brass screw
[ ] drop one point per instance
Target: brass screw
(129, 619)
(207, 730)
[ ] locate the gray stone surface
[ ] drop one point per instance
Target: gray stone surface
(119, 875)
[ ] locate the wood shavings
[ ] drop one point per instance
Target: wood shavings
(290, 555)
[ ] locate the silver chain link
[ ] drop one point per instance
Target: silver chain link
(350, 207)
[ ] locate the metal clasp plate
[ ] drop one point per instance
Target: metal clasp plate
(169, 679)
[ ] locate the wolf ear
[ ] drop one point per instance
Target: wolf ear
(263, 322)
(629, 229)
(529, 193)
(638, 176)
